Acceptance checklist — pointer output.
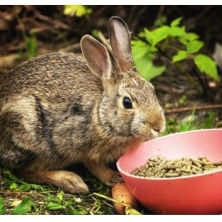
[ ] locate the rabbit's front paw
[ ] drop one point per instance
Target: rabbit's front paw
(105, 174)
(112, 177)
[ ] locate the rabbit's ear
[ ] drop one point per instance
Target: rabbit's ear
(120, 42)
(97, 57)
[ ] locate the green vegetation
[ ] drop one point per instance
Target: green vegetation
(190, 122)
(20, 198)
(31, 46)
(175, 44)
(77, 10)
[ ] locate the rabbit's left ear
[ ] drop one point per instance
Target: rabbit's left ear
(120, 42)
(96, 56)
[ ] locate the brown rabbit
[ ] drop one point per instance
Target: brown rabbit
(60, 109)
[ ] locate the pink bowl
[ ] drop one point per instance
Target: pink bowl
(196, 194)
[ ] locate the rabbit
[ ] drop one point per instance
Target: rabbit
(60, 109)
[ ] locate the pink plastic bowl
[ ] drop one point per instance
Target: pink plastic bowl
(196, 194)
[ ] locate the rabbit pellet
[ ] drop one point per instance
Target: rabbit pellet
(160, 167)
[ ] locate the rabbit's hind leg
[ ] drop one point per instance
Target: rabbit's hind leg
(28, 155)
(69, 182)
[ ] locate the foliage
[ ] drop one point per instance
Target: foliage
(33, 199)
(31, 46)
(2, 207)
(24, 207)
(60, 202)
(176, 44)
(17, 184)
(77, 10)
(191, 122)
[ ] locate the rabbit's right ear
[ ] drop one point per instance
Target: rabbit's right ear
(120, 42)
(96, 56)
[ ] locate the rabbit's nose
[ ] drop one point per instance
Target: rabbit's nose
(156, 130)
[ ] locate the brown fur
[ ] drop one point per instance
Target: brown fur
(59, 109)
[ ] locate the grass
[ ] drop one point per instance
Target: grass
(21, 198)
(18, 197)
(192, 121)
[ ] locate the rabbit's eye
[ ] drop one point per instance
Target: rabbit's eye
(127, 103)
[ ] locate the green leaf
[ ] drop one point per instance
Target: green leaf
(31, 46)
(142, 55)
(194, 46)
(147, 69)
(60, 195)
(177, 31)
(149, 36)
(141, 34)
(55, 206)
(77, 10)
(160, 34)
(187, 37)
(176, 22)
(182, 40)
(24, 207)
(13, 186)
(2, 207)
(207, 65)
(191, 36)
(181, 55)
(139, 48)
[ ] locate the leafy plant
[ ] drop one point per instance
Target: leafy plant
(174, 42)
(31, 46)
(77, 10)
(20, 185)
(2, 207)
(24, 207)
(61, 202)
(40, 199)
(190, 122)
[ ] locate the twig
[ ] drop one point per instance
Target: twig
(71, 48)
(190, 108)
(104, 40)
(110, 199)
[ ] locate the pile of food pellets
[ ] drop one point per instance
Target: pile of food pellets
(160, 167)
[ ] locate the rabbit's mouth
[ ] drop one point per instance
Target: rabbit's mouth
(151, 134)
(154, 133)
(147, 132)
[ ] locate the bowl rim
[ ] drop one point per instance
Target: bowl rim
(207, 173)
(185, 132)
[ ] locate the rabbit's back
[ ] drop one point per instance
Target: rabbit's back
(45, 106)
(54, 76)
